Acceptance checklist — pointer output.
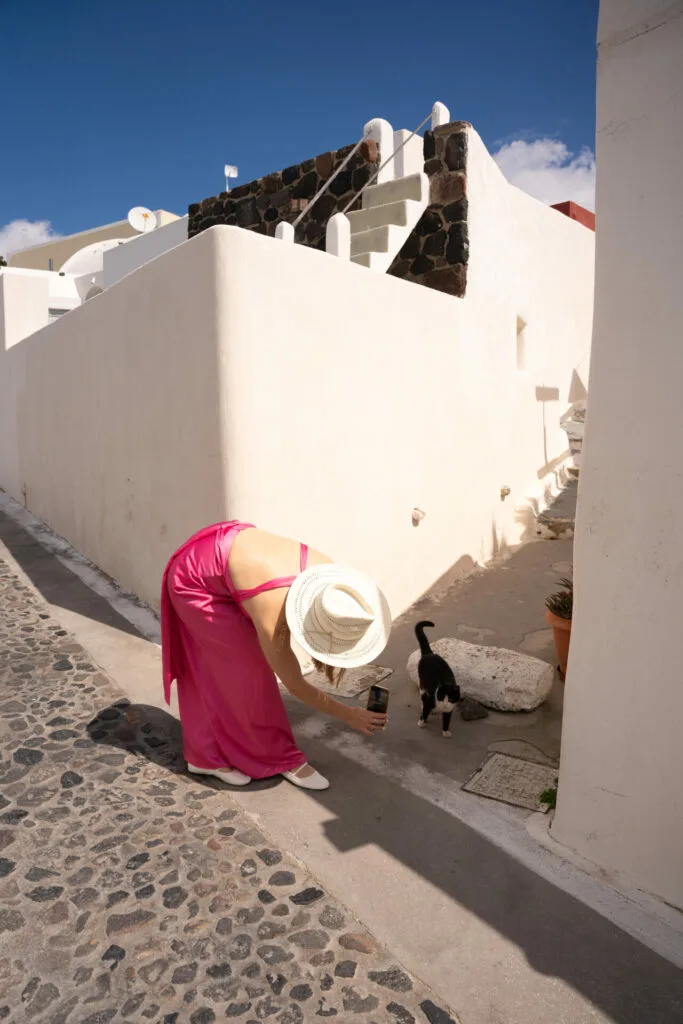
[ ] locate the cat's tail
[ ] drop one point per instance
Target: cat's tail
(422, 639)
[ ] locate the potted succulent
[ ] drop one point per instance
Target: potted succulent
(559, 608)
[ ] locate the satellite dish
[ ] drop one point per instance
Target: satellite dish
(141, 219)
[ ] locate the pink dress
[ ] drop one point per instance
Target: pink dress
(230, 705)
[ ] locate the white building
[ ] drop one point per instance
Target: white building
(620, 802)
(238, 375)
(52, 255)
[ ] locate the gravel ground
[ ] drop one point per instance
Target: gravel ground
(129, 892)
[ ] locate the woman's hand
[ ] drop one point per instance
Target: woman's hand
(367, 722)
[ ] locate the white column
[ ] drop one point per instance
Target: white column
(284, 231)
(383, 134)
(620, 800)
(440, 115)
(338, 236)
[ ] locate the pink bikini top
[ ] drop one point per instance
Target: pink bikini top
(280, 581)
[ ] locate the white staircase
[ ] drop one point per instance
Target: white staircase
(392, 203)
(390, 212)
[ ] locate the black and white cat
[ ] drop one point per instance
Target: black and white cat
(438, 687)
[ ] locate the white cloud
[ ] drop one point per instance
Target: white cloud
(23, 234)
(547, 170)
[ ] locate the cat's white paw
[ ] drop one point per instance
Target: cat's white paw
(447, 734)
(421, 724)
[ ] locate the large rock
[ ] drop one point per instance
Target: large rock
(498, 678)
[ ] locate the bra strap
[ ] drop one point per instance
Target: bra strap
(279, 583)
(276, 584)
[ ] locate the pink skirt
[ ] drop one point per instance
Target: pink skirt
(231, 710)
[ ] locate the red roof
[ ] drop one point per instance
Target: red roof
(576, 212)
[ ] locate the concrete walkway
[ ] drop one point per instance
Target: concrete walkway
(132, 892)
(453, 885)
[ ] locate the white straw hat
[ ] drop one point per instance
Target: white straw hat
(338, 616)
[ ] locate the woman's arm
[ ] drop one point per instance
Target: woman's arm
(267, 612)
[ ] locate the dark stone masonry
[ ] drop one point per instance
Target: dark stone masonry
(437, 252)
(435, 255)
(260, 205)
(130, 892)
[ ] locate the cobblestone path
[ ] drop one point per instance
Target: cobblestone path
(128, 892)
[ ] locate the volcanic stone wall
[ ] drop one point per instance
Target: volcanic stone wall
(260, 205)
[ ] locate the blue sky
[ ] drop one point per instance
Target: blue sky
(110, 105)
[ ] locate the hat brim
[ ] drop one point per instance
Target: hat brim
(335, 649)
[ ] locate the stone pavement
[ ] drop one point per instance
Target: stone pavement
(131, 892)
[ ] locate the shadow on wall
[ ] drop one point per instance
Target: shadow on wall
(402, 639)
(578, 391)
(560, 937)
(547, 397)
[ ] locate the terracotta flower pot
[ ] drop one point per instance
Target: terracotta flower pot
(562, 629)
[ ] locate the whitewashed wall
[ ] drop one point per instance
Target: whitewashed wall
(619, 801)
(110, 419)
(238, 376)
(124, 259)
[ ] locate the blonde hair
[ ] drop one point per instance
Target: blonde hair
(333, 675)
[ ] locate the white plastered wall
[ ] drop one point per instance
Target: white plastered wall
(619, 800)
(124, 259)
(239, 376)
(110, 418)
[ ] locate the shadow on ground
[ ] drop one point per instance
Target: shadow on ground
(560, 936)
(55, 582)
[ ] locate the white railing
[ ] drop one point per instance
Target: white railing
(338, 232)
(321, 192)
(376, 176)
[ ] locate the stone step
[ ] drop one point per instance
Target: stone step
(410, 187)
(375, 240)
(558, 520)
(398, 213)
(371, 260)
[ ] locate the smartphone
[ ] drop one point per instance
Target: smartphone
(378, 699)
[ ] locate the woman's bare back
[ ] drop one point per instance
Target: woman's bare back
(258, 556)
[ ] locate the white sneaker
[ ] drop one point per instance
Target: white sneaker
(229, 775)
(315, 781)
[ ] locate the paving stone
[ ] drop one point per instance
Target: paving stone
(301, 993)
(402, 1015)
(346, 969)
(282, 878)
(277, 982)
(394, 978)
(357, 942)
(307, 896)
(332, 918)
(313, 938)
(132, 893)
(44, 893)
(434, 1014)
(359, 1002)
(270, 857)
(6, 867)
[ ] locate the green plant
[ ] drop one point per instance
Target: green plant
(561, 603)
(549, 797)
(3, 261)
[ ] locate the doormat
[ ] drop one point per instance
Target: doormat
(512, 780)
(354, 681)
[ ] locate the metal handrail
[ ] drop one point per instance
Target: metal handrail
(329, 181)
(383, 165)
